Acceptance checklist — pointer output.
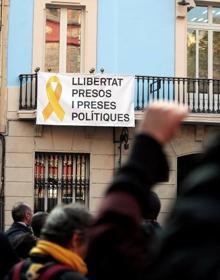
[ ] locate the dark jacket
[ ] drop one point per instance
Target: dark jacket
(67, 274)
(116, 248)
(191, 243)
(7, 256)
(151, 228)
(17, 229)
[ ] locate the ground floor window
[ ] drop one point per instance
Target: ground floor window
(60, 178)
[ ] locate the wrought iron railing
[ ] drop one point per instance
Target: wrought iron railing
(200, 95)
(28, 91)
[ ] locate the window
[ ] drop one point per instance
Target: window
(203, 42)
(64, 37)
(60, 178)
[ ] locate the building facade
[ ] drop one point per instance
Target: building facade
(170, 46)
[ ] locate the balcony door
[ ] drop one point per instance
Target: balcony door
(63, 39)
(203, 42)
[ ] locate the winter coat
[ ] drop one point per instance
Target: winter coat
(191, 242)
(66, 274)
(7, 256)
(17, 229)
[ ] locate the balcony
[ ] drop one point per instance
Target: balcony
(202, 96)
(28, 96)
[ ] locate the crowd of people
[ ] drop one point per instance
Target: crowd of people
(124, 240)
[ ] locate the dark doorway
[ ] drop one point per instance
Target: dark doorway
(185, 164)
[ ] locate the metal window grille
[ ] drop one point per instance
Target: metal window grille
(60, 178)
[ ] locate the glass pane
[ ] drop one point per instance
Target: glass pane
(198, 15)
(52, 39)
(216, 15)
(203, 54)
(216, 55)
(67, 182)
(73, 41)
(39, 179)
(191, 53)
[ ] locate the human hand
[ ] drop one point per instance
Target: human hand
(162, 120)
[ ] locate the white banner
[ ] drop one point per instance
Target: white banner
(85, 100)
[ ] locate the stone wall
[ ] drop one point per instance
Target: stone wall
(22, 143)
(25, 138)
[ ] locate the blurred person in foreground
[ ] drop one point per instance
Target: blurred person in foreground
(61, 249)
(190, 245)
(116, 240)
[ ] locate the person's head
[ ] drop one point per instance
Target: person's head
(22, 244)
(153, 207)
(38, 221)
(67, 226)
(21, 212)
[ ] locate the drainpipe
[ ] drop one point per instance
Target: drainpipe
(2, 183)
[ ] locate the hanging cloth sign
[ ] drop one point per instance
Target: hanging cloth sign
(85, 100)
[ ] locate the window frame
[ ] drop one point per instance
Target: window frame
(210, 27)
(48, 180)
(181, 34)
(63, 37)
(89, 35)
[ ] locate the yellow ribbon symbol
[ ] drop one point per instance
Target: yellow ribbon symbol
(53, 97)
